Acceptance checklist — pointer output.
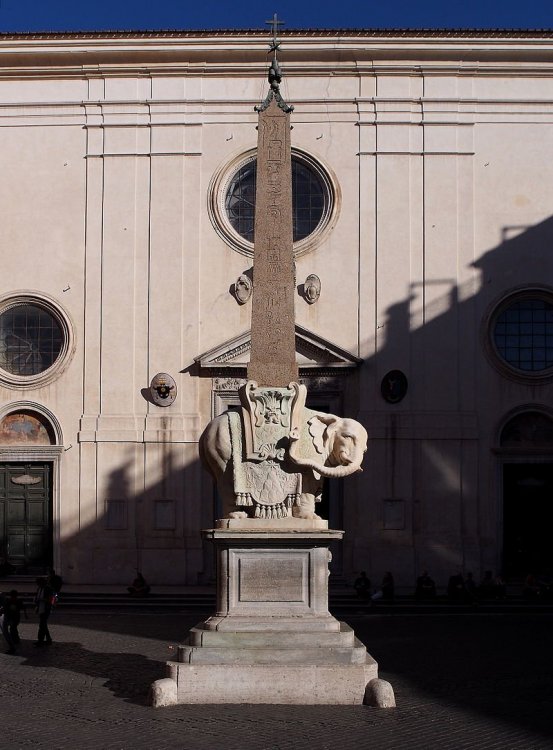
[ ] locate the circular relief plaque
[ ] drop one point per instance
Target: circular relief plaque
(394, 386)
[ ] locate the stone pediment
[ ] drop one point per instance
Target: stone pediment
(312, 352)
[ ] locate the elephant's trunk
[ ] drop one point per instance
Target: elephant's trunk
(332, 472)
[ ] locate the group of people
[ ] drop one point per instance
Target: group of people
(385, 591)
(425, 589)
(460, 588)
(11, 607)
(465, 589)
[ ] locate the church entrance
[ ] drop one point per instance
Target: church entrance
(526, 445)
(26, 515)
(527, 518)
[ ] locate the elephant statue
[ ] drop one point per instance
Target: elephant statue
(324, 446)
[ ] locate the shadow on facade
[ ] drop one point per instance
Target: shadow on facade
(155, 530)
(432, 457)
(431, 496)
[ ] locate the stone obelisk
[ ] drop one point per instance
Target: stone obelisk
(273, 359)
(272, 638)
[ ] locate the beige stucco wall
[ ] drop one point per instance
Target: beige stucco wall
(442, 171)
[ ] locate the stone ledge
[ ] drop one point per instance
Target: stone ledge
(263, 524)
(270, 535)
(283, 654)
(199, 636)
(303, 623)
(283, 684)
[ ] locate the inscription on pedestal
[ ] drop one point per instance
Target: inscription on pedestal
(265, 582)
(272, 578)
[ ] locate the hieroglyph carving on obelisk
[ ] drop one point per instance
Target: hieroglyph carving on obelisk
(273, 354)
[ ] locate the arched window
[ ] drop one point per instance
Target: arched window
(529, 430)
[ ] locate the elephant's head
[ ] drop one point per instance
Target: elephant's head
(338, 446)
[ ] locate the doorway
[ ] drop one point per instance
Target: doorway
(26, 515)
(527, 518)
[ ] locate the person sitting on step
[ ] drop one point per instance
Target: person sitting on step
(139, 587)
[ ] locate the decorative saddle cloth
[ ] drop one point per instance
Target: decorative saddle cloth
(263, 484)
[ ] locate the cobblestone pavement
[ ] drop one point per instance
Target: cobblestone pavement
(461, 681)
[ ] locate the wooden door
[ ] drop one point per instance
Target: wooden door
(527, 518)
(26, 515)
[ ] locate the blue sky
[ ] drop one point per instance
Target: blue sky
(72, 15)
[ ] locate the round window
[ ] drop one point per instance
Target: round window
(34, 340)
(232, 202)
(308, 200)
(30, 340)
(522, 333)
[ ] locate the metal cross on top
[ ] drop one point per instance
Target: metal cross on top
(275, 23)
(275, 73)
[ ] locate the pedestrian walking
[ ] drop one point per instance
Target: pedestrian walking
(43, 606)
(12, 606)
(4, 625)
(55, 582)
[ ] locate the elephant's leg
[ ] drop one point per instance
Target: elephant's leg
(216, 456)
(215, 446)
(306, 507)
(225, 487)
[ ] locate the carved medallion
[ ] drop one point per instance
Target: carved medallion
(243, 288)
(163, 389)
(312, 289)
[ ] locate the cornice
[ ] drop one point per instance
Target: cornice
(245, 51)
(487, 33)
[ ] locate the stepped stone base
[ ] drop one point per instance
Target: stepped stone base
(301, 684)
(272, 639)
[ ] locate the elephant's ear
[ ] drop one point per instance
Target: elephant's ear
(318, 430)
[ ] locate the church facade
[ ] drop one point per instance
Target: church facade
(422, 195)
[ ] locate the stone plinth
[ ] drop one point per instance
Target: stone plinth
(272, 638)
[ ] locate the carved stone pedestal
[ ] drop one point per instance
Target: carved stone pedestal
(272, 638)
